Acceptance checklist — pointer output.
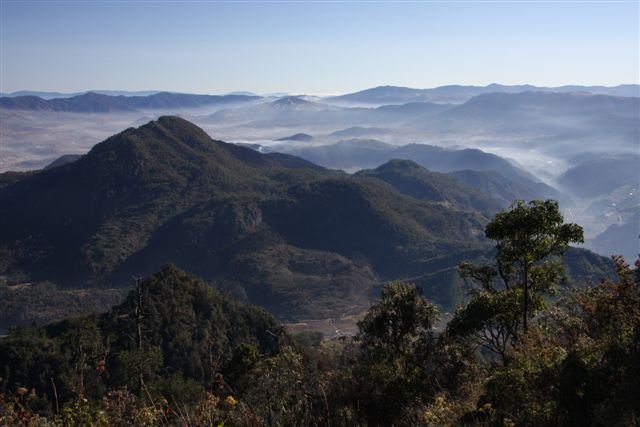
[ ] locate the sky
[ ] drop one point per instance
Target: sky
(323, 48)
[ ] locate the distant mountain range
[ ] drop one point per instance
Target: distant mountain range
(460, 93)
(97, 103)
(602, 175)
(381, 95)
(51, 95)
(273, 229)
(611, 184)
(297, 137)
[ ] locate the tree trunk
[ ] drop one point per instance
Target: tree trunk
(525, 308)
(139, 330)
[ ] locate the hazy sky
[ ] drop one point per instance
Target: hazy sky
(313, 47)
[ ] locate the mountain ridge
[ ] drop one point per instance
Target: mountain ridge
(461, 93)
(301, 241)
(92, 102)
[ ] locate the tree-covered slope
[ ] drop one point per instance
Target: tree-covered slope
(301, 241)
(188, 330)
(503, 190)
(409, 178)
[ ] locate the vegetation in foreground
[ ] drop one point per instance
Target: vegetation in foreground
(177, 352)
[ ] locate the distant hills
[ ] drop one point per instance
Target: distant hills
(461, 93)
(411, 179)
(285, 111)
(503, 190)
(51, 95)
(353, 154)
(359, 131)
(602, 175)
(381, 95)
(98, 103)
(610, 183)
(622, 239)
(304, 137)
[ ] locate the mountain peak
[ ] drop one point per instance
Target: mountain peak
(399, 165)
(166, 130)
(291, 102)
(175, 122)
(297, 137)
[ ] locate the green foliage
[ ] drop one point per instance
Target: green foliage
(82, 344)
(577, 364)
(490, 319)
(189, 331)
(525, 237)
(138, 363)
(278, 390)
(244, 360)
(178, 352)
(79, 414)
(531, 232)
(309, 338)
(396, 343)
(529, 238)
(401, 320)
(409, 178)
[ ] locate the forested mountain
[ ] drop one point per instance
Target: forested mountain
(175, 328)
(177, 351)
(500, 188)
(411, 179)
(272, 229)
(301, 241)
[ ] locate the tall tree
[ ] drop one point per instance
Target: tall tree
(530, 238)
(526, 236)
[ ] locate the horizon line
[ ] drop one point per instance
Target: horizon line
(319, 94)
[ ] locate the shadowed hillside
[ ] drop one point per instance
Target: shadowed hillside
(301, 241)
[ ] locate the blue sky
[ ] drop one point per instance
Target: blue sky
(313, 47)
